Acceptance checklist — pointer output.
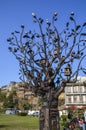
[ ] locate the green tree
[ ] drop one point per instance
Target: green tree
(27, 106)
(2, 96)
(48, 59)
(2, 99)
(10, 101)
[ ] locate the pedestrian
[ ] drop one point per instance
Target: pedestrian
(85, 116)
(76, 121)
(70, 115)
(82, 124)
(72, 126)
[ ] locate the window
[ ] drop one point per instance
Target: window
(68, 89)
(80, 89)
(75, 89)
(69, 99)
(81, 98)
(84, 89)
(75, 99)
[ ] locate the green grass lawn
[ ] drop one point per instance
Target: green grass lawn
(14, 122)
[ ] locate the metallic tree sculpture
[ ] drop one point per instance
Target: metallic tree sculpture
(48, 59)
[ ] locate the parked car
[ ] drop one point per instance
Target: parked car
(33, 113)
(10, 111)
(36, 113)
(30, 112)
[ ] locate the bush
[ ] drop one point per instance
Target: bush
(22, 114)
(64, 122)
(64, 118)
(1, 109)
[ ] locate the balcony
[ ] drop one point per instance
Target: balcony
(77, 103)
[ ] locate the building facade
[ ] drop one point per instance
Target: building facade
(75, 94)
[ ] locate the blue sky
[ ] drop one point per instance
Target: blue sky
(13, 13)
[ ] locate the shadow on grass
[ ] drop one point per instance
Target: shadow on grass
(3, 126)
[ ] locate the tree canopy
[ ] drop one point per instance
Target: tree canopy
(50, 56)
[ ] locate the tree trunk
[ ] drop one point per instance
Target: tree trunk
(49, 116)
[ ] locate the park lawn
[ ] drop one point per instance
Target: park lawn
(14, 122)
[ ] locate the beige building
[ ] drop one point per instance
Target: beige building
(75, 93)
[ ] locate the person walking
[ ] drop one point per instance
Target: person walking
(82, 124)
